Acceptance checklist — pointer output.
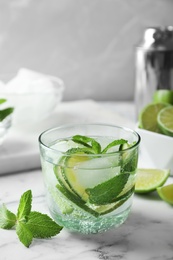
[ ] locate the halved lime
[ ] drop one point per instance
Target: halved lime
(148, 117)
(166, 193)
(163, 96)
(148, 180)
(165, 120)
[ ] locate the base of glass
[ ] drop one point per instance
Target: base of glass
(91, 225)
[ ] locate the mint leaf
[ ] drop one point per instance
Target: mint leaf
(24, 208)
(24, 234)
(87, 142)
(108, 191)
(28, 224)
(7, 218)
(42, 226)
(80, 139)
(114, 143)
(2, 100)
(5, 112)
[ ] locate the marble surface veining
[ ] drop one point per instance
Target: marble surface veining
(146, 235)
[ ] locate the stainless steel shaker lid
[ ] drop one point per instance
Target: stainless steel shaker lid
(158, 38)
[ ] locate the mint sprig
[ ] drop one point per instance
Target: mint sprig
(2, 100)
(24, 207)
(92, 145)
(24, 234)
(28, 224)
(7, 218)
(114, 143)
(6, 111)
(88, 142)
(42, 226)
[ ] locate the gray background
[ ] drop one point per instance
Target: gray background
(90, 44)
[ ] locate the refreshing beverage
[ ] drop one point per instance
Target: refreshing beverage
(89, 173)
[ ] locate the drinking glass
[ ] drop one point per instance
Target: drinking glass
(89, 183)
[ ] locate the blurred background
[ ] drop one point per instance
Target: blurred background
(90, 44)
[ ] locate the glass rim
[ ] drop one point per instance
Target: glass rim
(65, 126)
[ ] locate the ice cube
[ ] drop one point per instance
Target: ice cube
(28, 81)
(33, 95)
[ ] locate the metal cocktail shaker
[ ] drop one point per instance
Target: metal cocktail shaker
(154, 64)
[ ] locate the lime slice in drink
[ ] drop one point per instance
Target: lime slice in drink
(165, 120)
(65, 166)
(163, 96)
(75, 201)
(148, 180)
(78, 172)
(72, 163)
(166, 193)
(82, 172)
(105, 209)
(148, 117)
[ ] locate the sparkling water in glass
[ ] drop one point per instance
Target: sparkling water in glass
(86, 191)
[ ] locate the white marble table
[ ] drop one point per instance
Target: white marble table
(146, 235)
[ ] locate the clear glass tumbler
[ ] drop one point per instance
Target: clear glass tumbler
(89, 174)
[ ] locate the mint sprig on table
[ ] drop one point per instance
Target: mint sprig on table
(28, 224)
(6, 111)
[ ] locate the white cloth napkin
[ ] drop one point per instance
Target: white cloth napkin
(20, 150)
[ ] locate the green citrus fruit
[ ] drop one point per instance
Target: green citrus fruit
(163, 96)
(165, 120)
(148, 180)
(148, 117)
(166, 193)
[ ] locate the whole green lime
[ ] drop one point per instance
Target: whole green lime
(163, 96)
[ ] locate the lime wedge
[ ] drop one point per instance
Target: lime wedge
(148, 117)
(166, 193)
(165, 120)
(163, 96)
(148, 180)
